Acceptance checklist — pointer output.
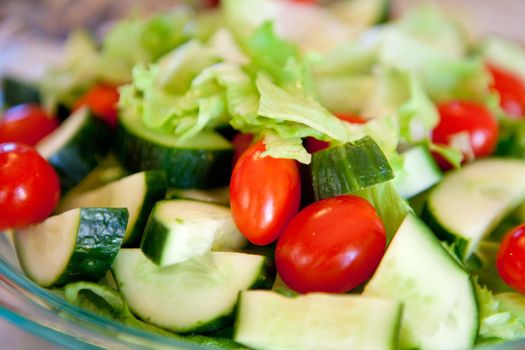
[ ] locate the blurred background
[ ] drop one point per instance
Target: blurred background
(31, 31)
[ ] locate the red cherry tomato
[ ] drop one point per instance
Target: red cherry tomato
(26, 123)
(264, 194)
(511, 259)
(29, 187)
(511, 90)
(241, 142)
(464, 116)
(102, 100)
(314, 145)
(332, 245)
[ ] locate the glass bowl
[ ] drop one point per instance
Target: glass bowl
(46, 314)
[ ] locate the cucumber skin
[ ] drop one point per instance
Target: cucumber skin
(460, 243)
(156, 184)
(99, 238)
(154, 237)
(78, 157)
(334, 170)
(17, 92)
(185, 168)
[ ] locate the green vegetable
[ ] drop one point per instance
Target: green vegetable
(108, 303)
(348, 168)
(499, 320)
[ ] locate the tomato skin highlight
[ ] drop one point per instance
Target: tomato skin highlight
(26, 123)
(265, 194)
(332, 245)
(511, 259)
(102, 100)
(511, 90)
(29, 186)
(465, 116)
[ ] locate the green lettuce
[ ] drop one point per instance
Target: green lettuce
(499, 321)
(431, 26)
(443, 75)
(128, 43)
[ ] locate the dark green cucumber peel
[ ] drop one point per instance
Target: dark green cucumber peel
(185, 168)
(156, 184)
(16, 92)
(458, 243)
(153, 239)
(82, 153)
(99, 238)
(348, 168)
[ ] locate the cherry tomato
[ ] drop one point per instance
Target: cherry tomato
(511, 90)
(464, 116)
(511, 259)
(264, 193)
(26, 123)
(314, 145)
(102, 100)
(29, 187)
(332, 245)
(241, 142)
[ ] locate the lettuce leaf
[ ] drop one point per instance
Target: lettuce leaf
(443, 75)
(498, 321)
(127, 43)
(430, 26)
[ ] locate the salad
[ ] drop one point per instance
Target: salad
(277, 175)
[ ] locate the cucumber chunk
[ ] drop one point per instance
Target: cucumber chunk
(76, 147)
(419, 172)
(16, 91)
(267, 320)
(220, 195)
(200, 162)
(138, 193)
(469, 203)
(198, 295)
(79, 244)
(178, 230)
(440, 310)
(348, 168)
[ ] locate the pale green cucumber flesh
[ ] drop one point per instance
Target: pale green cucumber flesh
(267, 320)
(79, 244)
(138, 193)
(469, 203)
(439, 302)
(198, 295)
(76, 147)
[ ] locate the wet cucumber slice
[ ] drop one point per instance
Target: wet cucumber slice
(198, 295)
(74, 149)
(267, 320)
(200, 162)
(78, 245)
(440, 309)
(180, 229)
(469, 203)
